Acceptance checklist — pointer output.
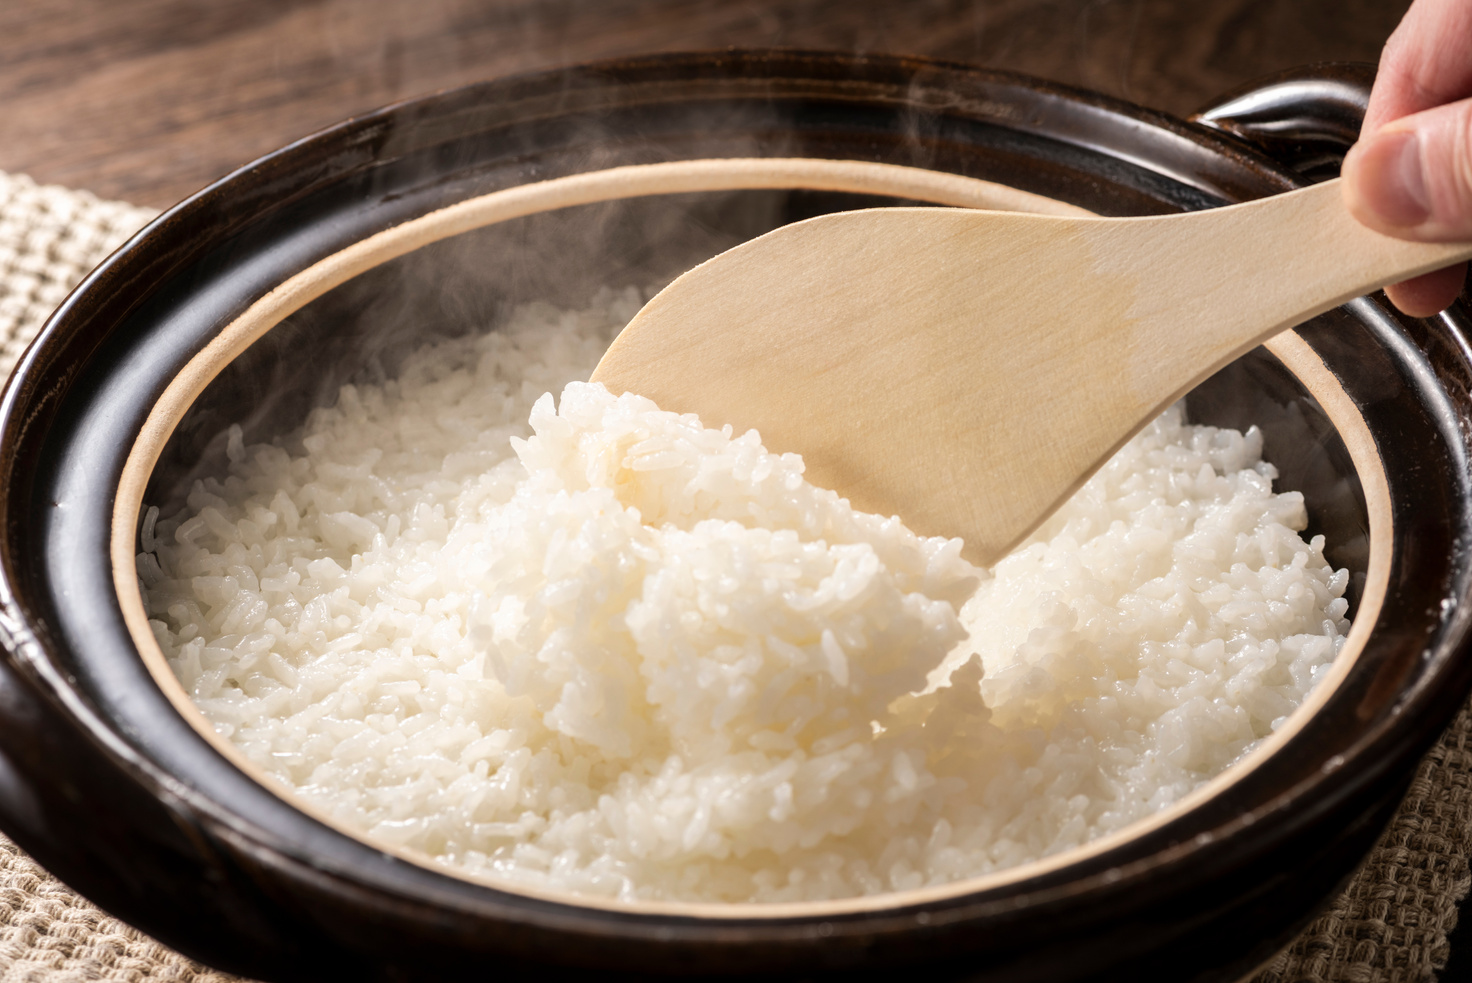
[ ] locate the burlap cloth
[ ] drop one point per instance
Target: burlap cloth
(1391, 924)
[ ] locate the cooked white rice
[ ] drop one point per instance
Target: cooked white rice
(616, 653)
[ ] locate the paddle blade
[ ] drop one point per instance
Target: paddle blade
(871, 344)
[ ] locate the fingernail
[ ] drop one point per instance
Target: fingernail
(1391, 183)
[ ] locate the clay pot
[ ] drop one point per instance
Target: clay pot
(114, 784)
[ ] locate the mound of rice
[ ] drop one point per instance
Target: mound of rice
(597, 647)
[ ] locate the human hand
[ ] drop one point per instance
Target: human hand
(1410, 174)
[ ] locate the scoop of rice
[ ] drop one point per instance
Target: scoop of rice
(598, 647)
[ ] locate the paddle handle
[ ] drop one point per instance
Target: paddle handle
(1314, 240)
(1210, 285)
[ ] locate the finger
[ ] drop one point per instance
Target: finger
(1424, 63)
(1429, 294)
(1413, 177)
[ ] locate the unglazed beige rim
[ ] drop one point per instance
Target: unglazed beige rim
(669, 178)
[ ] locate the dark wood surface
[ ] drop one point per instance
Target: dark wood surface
(149, 100)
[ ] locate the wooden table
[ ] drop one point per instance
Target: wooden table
(149, 100)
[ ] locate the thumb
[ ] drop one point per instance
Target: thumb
(1412, 178)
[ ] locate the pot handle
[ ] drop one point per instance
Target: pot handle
(1305, 118)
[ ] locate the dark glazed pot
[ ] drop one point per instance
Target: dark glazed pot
(108, 785)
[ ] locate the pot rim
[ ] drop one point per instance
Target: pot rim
(672, 178)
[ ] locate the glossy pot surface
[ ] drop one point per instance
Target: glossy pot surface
(196, 852)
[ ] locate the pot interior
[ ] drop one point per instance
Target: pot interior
(361, 329)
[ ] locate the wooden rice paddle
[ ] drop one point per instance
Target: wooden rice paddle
(968, 370)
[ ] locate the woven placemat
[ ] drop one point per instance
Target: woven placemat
(1391, 923)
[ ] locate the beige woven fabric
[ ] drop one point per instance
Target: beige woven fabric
(49, 239)
(50, 935)
(1391, 924)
